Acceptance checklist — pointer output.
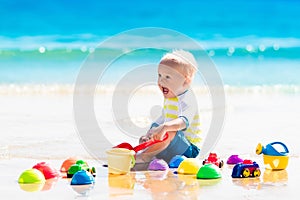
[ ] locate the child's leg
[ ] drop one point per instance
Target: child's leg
(192, 151)
(178, 146)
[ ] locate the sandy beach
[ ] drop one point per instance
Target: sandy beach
(40, 127)
(155, 185)
(54, 53)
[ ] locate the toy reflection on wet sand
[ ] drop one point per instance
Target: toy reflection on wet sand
(35, 187)
(167, 185)
(82, 190)
(120, 185)
(272, 177)
(31, 187)
(248, 183)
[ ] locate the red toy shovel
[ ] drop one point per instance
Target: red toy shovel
(141, 146)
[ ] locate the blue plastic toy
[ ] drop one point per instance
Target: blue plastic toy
(270, 149)
(82, 178)
(175, 161)
(246, 169)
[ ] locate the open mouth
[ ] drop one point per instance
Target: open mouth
(165, 90)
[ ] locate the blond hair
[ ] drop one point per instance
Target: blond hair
(184, 59)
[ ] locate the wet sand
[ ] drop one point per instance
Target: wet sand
(282, 184)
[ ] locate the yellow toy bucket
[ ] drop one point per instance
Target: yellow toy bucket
(120, 160)
(276, 162)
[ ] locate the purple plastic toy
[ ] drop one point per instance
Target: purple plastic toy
(234, 159)
(158, 165)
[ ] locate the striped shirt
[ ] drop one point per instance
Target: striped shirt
(183, 106)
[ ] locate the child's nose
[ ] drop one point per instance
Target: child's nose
(161, 80)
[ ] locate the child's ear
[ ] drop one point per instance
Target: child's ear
(187, 81)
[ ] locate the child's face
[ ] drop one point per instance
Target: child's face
(171, 81)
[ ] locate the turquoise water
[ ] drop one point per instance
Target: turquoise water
(251, 42)
(241, 68)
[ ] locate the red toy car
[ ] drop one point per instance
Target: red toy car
(213, 159)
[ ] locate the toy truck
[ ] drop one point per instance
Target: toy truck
(246, 169)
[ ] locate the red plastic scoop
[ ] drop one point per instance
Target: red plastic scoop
(141, 146)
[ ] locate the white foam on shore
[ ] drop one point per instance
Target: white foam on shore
(170, 41)
(68, 89)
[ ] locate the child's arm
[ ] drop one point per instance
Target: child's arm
(170, 126)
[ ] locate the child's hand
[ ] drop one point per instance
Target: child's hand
(144, 139)
(158, 132)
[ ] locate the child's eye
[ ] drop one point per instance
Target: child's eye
(159, 75)
(168, 77)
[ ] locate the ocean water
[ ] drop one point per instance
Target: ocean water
(252, 43)
(255, 46)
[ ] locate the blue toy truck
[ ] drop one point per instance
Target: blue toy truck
(246, 169)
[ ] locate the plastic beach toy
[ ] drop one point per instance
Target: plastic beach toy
(209, 171)
(271, 150)
(31, 187)
(276, 162)
(50, 184)
(31, 176)
(246, 169)
(213, 159)
(67, 164)
(234, 159)
(273, 158)
(189, 166)
(270, 176)
(120, 160)
(141, 146)
(126, 181)
(78, 166)
(83, 190)
(82, 178)
(175, 161)
(47, 170)
(158, 165)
